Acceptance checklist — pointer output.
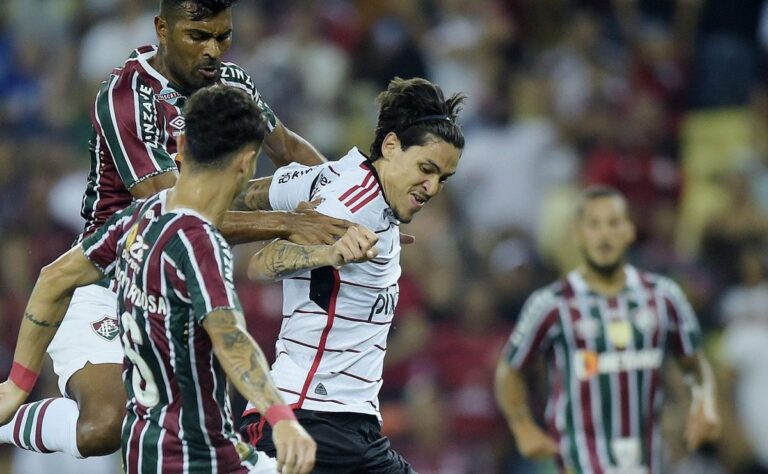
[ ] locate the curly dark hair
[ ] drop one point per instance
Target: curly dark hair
(219, 121)
(416, 110)
(195, 10)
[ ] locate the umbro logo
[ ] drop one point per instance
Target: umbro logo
(320, 389)
(178, 123)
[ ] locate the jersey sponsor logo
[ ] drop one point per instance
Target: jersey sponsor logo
(385, 304)
(285, 177)
(320, 389)
(619, 332)
(106, 327)
(231, 73)
(168, 95)
(147, 116)
(587, 363)
(178, 123)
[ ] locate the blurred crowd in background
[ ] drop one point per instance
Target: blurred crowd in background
(666, 100)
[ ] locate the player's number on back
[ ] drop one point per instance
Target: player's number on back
(148, 396)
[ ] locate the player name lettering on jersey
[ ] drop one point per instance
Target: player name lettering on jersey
(153, 303)
(591, 363)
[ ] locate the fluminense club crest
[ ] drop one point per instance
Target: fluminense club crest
(106, 327)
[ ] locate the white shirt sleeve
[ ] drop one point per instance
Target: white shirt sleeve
(291, 185)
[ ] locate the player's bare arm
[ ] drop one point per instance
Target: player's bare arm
(255, 196)
(153, 185)
(282, 259)
(512, 397)
(283, 146)
(703, 422)
(42, 317)
(241, 358)
(247, 368)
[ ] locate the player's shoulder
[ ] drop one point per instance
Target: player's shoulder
(357, 189)
(133, 77)
(548, 296)
(233, 75)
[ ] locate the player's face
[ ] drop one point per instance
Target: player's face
(415, 175)
(604, 232)
(194, 49)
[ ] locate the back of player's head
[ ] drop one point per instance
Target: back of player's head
(598, 191)
(220, 120)
(196, 10)
(416, 111)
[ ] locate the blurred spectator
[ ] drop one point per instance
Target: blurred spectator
(507, 171)
(744, 345)
(110, 41)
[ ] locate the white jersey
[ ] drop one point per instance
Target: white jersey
(330, 352)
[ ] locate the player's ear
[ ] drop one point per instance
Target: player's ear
(389, 145)
(161, 29)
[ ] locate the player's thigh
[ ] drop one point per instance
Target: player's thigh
(98, 388)
(379, 457)
(88, 335)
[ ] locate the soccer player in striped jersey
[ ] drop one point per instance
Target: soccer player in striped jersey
(333, 339)
(180, 319)
(604, 331)
(137, 119)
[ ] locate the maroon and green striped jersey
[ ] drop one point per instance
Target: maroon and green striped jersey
(136, 120)
(604, 356)
(172, 269)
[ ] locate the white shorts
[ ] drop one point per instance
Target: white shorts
(89, 333)
(264, 465)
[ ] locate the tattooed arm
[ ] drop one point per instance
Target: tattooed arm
(247, 368)
(251, 219)
(241, 358)
(42, 317)
(255, 196)
(282, 259)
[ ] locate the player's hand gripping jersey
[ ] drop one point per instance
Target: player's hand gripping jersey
(330, 352)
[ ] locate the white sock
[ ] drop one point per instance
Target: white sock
(45, 426)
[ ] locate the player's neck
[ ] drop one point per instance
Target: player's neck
(194, 191)
(606, 284)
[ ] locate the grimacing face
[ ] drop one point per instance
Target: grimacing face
(193, 49)
(604, 232)
(413, 176)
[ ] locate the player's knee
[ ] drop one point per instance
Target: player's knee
(99, 434)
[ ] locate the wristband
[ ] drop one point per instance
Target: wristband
(23, 377)
(277, 413)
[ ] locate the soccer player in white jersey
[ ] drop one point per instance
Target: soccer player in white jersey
(333, 339)
(604, 331)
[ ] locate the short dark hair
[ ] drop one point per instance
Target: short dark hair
(415, 109)
(597, 191)
(195, 10)
(221, 120)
